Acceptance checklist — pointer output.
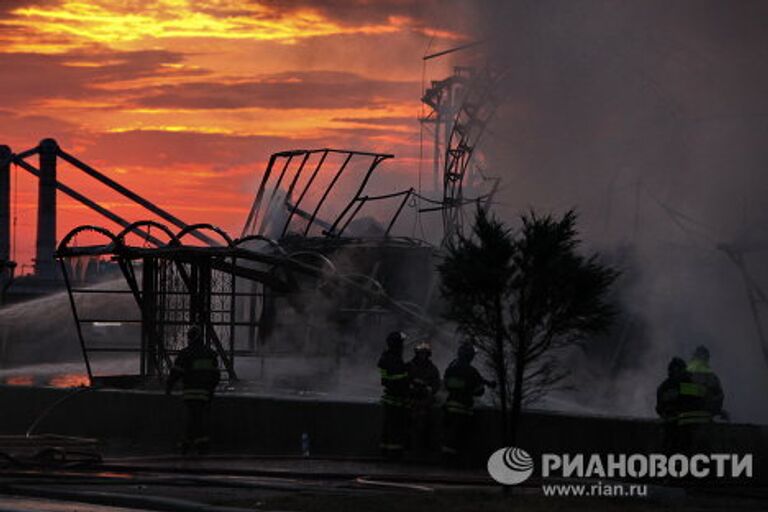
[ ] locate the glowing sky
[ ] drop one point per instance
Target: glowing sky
(184, 100)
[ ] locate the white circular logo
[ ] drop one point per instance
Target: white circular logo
(510, 466)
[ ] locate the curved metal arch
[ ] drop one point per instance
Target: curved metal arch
(356, 278)
(317, 255)
(204, 226)
(64, 244)
(411, 306)
(272, 242)
(147, 223)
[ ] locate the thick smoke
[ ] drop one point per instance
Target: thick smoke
(651, 119)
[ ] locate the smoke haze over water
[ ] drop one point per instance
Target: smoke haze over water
(638, 114)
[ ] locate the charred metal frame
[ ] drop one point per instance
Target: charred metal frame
(444, 98)
(461, 106)
(255, 223)
(194, 266)
(478, 108)
(50, 153)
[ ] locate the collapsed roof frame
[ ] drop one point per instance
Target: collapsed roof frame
(280, 164)
(195, 264)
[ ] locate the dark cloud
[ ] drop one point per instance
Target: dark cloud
(162, 149)
(452, 15)
(24, 131)
(7, 6)
(40, 76)
(410, 122)
(294, 90)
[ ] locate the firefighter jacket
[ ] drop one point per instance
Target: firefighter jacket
(198, 368)
(702, 394)
(670, 401)
(424, 379)
(464, 383)
(394, 379)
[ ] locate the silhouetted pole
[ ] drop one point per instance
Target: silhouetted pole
(5, 203)
(46, 210)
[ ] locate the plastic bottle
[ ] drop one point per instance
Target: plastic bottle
(305, 444)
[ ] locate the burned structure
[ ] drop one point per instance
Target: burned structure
(322, 265)
(45, 277)
(326, 281)
(461, 108)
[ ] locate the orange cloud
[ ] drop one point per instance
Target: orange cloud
(105, 22)
(195, 95)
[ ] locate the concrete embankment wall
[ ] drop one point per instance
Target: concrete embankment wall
(148, 422)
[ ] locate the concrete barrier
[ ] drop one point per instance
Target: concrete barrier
(152, 422)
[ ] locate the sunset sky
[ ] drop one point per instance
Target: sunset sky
(184, 100)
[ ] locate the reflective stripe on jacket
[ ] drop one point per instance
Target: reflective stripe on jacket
(394, 379)
(704, 392)
(463, 383)
(196, 394)
(198, 368)
(694, 417)
(694, 401)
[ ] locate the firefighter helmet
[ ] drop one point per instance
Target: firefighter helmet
(702, 353)
(395, 340)
(676, 366)
(466, 351)
(423, 346)
(194, 334)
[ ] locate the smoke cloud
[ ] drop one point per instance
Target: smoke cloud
(650, 118)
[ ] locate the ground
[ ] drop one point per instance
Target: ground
(229, 483)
